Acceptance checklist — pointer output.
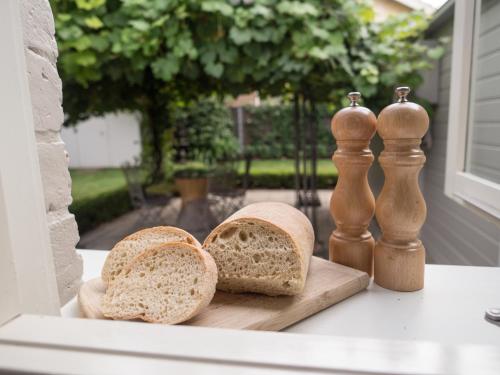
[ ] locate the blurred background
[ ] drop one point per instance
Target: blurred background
(179, 112)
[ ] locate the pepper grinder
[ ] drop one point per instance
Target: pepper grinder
(352, 204)
(399, 255)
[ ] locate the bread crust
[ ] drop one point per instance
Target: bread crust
(165, 229)
(141, 234)
(279, 217)
(208, 282)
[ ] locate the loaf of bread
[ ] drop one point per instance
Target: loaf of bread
(263, 248)
(169, 283)
(131, 246)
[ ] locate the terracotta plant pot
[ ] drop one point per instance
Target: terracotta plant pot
(191, 188)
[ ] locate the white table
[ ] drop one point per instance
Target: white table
(449, 310)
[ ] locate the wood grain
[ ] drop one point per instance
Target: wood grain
(352, 204)
(399, 255)
(327, 284)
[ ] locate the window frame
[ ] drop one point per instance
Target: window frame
(27, 276)
(58, 345)
(466, 188)
(51, 344)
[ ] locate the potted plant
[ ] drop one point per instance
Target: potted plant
(203, 137)
(191, 180)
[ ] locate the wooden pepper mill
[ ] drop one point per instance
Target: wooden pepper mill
(400, 208)
(352, 204)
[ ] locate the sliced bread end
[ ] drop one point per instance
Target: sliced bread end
(169, 283)
(131, 246)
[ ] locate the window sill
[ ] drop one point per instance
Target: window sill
(454, 297)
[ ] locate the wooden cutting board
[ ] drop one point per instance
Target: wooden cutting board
(327, 283)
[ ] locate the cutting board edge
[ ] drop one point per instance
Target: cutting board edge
(356, 282)
(362, 282)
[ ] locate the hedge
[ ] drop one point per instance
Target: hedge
(91, 212)
(285, 181)
(269, 131)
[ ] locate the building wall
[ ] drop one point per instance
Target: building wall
(386, 8)
(103, 142)
(46, 97)
(483, 156)
(452, 234)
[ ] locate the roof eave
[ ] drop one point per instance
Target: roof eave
(441, 16)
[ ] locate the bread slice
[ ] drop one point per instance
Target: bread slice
(128, 248)
(169, 283)
(263, 248)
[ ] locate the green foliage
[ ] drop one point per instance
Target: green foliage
(393, 56)
(147, 55)
(91, 212)
(98, 196)
(191, 169)
(118, 52)
(270, 133)
(285, 181)
(204, 134)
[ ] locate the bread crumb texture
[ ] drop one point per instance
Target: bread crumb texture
(254, 256)
(128, 248)
(169, 284)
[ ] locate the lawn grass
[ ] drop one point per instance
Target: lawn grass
(89, 183)
(287, 167)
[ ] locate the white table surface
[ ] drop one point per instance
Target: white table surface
(450, 309)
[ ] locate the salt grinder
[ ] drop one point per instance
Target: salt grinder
(399, 255)
(352, 204)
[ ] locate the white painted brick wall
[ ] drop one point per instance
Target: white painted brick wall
(55, 176)
(46, 97)
(46, 92)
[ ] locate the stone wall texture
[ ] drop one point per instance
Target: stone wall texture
(46, 99)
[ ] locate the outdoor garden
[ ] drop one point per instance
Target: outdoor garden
(181, 63)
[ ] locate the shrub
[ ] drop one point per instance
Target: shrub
(269, 132)
(91, 212)
(286, 181)
(204, 133)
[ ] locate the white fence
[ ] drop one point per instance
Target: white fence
(103, 142)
